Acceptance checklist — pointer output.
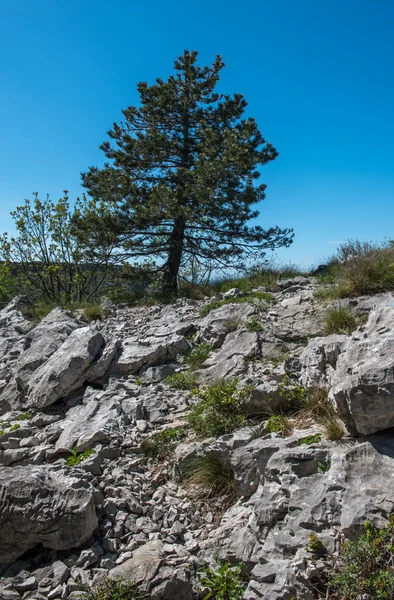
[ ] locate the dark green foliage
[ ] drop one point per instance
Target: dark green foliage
(252, 298)
(198, 356)
(294, 396)
(219, 409)
(339, 320)
(315, 546)
(8, 284)
(77, 457)
(184, 380)
(309, 439)
(14, 427)
(160, 444)
(365, 565)
(254, 325)
(180, 184)
(224, 582)
(210, 477)
(23, 417)
(113, 589)
(324, 466)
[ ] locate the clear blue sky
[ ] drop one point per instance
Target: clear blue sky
(318, 77)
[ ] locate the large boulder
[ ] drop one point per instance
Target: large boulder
(219, 322)
(45, 507)
(363, 383)
(318, 359)
(230, 359)
(140, 353)
(297, 315)
(65, 371)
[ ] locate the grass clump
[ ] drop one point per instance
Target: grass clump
(232, 324)
(76, 457)
(223, 583)
(93, 313)
(198, 356)
(184, 380)
(340, 320)
(310, 439)
(210, 476)
(24, 417)
(365, 566)
(14, 427)
(253, 298)
(160, 444)
(113, 589)
(220, 408)
(333, 429)
(278, 424)
(254, 325)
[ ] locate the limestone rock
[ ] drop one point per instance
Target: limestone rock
(42, 506)
(229, 360)
(218, 323)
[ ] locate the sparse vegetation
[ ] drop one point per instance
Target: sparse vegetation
(184, 380)
(339, 320)
(278, 424)
(315, 546)
(24, 417)
(252, 298)
(160, 444)
(254, 325)
(224, 583)
(324, 465)
(210, 477)
(310, 439)
(15, 427)
(333, 428)
(112, 589)
(93, 313)
(76, 457)
(219, 409)
(198, 356)
(365, 566)
(232, 324)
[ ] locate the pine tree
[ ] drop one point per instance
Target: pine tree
(182, 176)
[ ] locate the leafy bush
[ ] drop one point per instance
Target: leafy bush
(210, 476)
(224, 583)
(198, 356)
(184, 380)
(77, 457)
(339, 320)
(366, 565)
(113, 589)
(8, 283)
(254, 325)
(309, 439)
(253, 298)
(160, 444)
(93, 313)
(219, 410)
(278, 424)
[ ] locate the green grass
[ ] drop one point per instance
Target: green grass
(339, 320)
(76, 457)
(184, 380)
(24, 417)
(198, 356)
(254, 325)
(220, 408)
(308, 440)
(252, 298)
(224, 582)
(93, 313)
(232, 324)
(112, 589)
(278, 424)
(161, 444)
(210, 476)
(333, 428)
(14, 427)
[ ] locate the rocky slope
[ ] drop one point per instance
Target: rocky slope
(65, 384)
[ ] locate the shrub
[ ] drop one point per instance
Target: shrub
(184, 380)
(339, 320)
(365, 565)
(8, 283)
(93, 313)
(324, 465)
(254, 325)
(278, 424)
(224, 583)
(211, 476)
(77, 457)
(160, 444)
(198, 356)
(315, 546)
(113, 589)
(309, 439)
(293, 395)
(219, 410)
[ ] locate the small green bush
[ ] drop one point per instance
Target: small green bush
(219, 409)
(1, 432)
(278, 424)
(113, 589)
(309, 439)
(339, 320)
(198, 356)
(315, 546)
(224, 583)
(365, 565)
(324, 465)
(160, 444)
(184, 380)
(254, 325)
(76, 457)
(210, 476)
(93, 313)
(293, 395)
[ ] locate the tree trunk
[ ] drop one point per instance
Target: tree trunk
(171, 268)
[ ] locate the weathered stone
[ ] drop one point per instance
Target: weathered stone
(144, 565)
(219, 322)
(229, 361)
(152, 351)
